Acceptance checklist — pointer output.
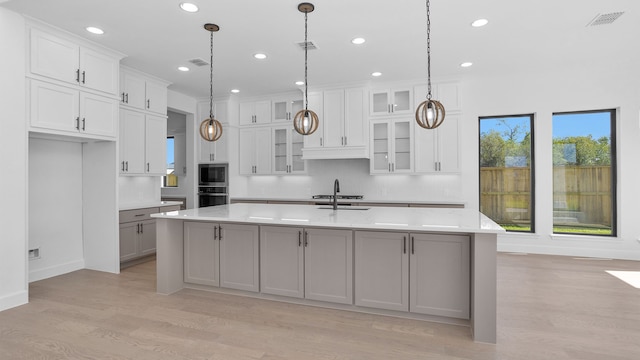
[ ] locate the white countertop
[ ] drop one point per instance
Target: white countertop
(149, 205)
(374, 218)
(350, 201)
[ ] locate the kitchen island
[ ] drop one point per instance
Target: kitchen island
(431, 264)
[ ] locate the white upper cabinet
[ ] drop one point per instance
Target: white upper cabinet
(142, 92)
(391, 101)
(64, 60)
(255, 112)
(214, 151)
(285, 108)
(438, 150)
(64, 110)
(391, 146)
(142, 143)
(287, 151)
(255, 151)
(343, 130)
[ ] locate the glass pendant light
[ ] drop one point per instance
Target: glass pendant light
(211, 129)
(430, 113)
(305, 122)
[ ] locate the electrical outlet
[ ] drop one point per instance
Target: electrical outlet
(34, 254)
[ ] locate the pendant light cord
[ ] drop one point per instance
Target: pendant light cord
(306, 44)
(428, 51)
(211, 83)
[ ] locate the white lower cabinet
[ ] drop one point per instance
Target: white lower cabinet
(224, 255)
(420, 273)
(315, 264)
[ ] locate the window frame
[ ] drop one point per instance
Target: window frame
(532, 166)
(614, 169)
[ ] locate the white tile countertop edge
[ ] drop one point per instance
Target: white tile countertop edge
(450, 220)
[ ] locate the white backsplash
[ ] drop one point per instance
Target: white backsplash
(355, 179)
(138, 189)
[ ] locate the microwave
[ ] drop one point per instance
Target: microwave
(213, 174)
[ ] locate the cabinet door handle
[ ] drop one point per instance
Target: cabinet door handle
(393, 167)
(127, 164)
(345, 141)
(127, 98)
(148, 167)
(137, 228)
(389, 167)
(78, 75)
(122, 169)
(83, 77)
(321, 142)
(220, 232)
(299, 238)
(78, 123)
(141, 228)
(215, 233)
(306, 239)
(404, 244)
(148, 103)
(83, 122)
(123, 96)
(413, 245)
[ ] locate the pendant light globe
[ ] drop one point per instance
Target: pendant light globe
(306, 121)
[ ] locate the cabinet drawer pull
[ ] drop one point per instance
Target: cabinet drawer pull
(138, 215)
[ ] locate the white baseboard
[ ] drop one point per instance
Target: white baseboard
(15, 299)
(41, 274)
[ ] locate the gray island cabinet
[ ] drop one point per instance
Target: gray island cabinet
(433, 264)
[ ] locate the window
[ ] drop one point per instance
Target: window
(584, 168)
(171, 179)
(506, 171)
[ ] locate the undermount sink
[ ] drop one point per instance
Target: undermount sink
(344, 208)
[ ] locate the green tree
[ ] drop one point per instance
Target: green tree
(492, 149)
(581, 150)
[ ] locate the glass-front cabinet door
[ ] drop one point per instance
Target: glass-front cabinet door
(391, 146)
(287, 151)
(380, 148)
(286, 109)
(391, 102)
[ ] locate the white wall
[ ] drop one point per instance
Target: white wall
(55, 207)
(13, 147)
(574, 89)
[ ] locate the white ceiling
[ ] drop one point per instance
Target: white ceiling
(522, 36)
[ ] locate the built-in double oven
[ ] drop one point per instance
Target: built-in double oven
(213, 184)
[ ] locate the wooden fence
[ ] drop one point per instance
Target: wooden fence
(583, 195)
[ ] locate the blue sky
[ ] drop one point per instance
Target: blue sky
(170, 147)
(583, 124)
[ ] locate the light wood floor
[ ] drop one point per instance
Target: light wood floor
(548, 308)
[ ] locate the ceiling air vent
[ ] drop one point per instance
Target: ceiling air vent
(310, 45)
(199, 62)
(603, 19)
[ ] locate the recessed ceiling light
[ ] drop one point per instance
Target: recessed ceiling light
(235, 91)
(480, 22)
(358, 41)
(189, 7)
(466, 64)
(376, 74)
(183, 68)
(95, 30)
(260, 56)
(299, 83)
